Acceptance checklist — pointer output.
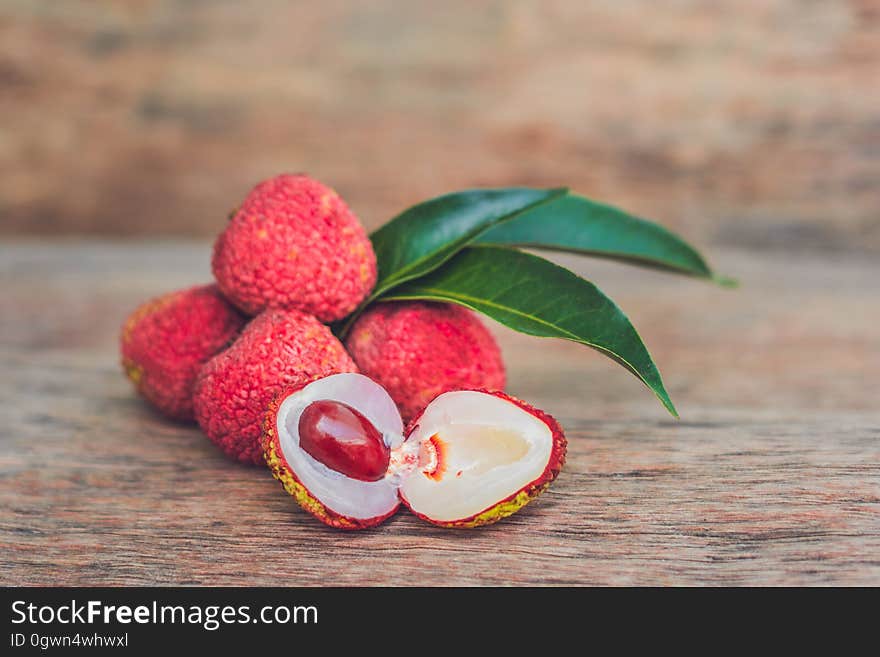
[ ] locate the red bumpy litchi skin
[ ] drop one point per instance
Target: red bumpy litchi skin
(419, 350)
(276, 349)
(295, 244)
(166, 341)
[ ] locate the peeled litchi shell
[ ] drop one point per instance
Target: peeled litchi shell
(295, 244)
(418, 350)
(282, 471)
(166, 341)
(526, 494)
(276, 349)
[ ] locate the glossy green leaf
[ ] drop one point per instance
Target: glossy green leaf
(579, 225)
(426, 235)
(535, 296)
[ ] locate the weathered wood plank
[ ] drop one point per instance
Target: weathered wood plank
(748, 122)
(772, 476)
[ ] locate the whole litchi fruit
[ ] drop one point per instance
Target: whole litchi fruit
(295, 244)
(473, 457)
(417, 350)
(166, 341)
(278, 348)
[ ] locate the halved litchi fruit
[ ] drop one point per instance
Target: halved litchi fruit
(471, 458)
(482, 456)
(340, 499)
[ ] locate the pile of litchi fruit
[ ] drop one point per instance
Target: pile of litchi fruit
(409, 409)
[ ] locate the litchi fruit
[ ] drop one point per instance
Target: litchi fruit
(295, 244)
(166, 341)
(473, 457)
(276, 349)
(417, 350)
(482, 456)
(340, 499)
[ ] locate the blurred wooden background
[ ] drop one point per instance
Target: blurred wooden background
(753, 123)
(751, 126)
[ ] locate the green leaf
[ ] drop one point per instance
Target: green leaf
(426, 235)
(579, 225)
(535, 296)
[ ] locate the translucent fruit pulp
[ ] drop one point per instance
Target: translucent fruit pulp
(341, 438)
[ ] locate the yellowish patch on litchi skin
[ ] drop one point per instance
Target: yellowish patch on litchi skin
(293, 254)
(146, 309)
(134, 372)
(498, 512)
(506, 508)
(363, 338)
(358, 252)
(262, 234)
(327, 201)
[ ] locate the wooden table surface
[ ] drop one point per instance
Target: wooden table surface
(772, 476)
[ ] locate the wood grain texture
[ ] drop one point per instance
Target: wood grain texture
(748, 122)
(771, 477)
